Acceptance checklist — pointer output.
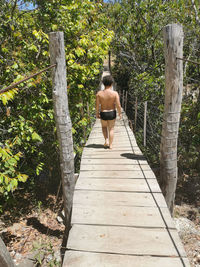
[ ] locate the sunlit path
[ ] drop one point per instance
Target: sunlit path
(119, 215)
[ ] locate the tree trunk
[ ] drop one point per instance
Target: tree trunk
(145, 124)
(109, 61)
(173, 37)
(5, 258)
(63, 121)
(135, 122)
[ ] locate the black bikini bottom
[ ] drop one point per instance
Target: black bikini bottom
(108, 115)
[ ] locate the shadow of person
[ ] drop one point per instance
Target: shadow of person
(36, 224)
(132, 156)
(96, 146)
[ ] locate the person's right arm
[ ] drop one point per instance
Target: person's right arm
(118, 105)
(97, 106)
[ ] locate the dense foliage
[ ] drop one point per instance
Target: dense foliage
(28, 136)
(139, 69)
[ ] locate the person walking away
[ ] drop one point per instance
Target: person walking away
(107, 101)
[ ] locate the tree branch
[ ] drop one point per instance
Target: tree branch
(196, 12)
(13, 9)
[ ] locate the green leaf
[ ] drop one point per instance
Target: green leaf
(6, 179)
(36, 137)
(14, 183)
(33, 48)
(22, 177)
(54, 27)
(15, 66)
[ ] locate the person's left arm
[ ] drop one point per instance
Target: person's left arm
(118, 106)
(97, 106)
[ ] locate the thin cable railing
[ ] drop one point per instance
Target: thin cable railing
(135, 110)
(3, 90)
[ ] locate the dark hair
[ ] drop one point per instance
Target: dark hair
(107, 80)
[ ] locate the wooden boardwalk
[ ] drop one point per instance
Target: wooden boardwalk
(119, 215)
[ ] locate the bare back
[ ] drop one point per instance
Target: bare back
(108, 99)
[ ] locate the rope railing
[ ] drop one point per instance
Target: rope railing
(25, 79)
(188, 60)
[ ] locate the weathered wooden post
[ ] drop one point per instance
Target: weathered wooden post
(5, 258)
(120, 95)
(122, 98)
(136, 107)
(84, 128)
(88, 113)
(145, 123)
(63, 121)
(131, 125)
(109, 61)
(126, 100)
(173, 38)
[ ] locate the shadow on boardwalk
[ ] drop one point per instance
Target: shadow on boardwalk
(119, 215)
(133, 156)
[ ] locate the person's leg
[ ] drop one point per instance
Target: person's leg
(104, 125)
(111, 124)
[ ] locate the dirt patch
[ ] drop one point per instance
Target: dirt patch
(33, 228)
(188, 219)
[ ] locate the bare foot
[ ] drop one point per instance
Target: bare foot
(110, 147)
(106, 145)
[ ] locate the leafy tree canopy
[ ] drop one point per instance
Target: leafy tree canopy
(28, 143)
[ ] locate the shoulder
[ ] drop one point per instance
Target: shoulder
(116, 93)
(98, 93)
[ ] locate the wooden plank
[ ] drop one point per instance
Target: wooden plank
(136, 148)
(118, 131)
(118, 142)
(116, 137)
(118, 127)
(123, 161)
(160, 200)
(121, 240)
(99, 148)
(167, 218)
(91, 259)
(117, 145)
(98, 126)
(149, 174)
(113, 199)
(110, 167)
(154, 186)
(178, 242)
(143, 162)
(113, 155)
(128, 185)
(120, 134)
(111, 174)
(121, 216)
(97, 135)
(146, 167)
